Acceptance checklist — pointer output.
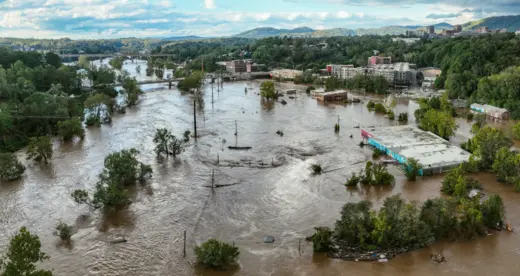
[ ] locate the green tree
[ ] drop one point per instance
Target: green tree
(516, 131)
(440, 215)
(70, 128)
(322, 240)
(117, 62)
(22, 255)
(83, 62)
(10, 167)
(413, 167)
(122, 169)
(98, 106)
(191, 83)
(169, 144)
(216, 254)
(485, 145)
(63, 231)
(493, 212)
(267, 90)
(471, 222)
(53, 59)
(132, 91)
(379, 108)
(40, 148)
(438, 122)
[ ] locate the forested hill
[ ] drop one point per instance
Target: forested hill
(511, 23)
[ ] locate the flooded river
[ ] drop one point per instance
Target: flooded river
(284, 201)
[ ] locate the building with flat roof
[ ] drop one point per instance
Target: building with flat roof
(336, 69)
(238, 66)
(332, 96)
(402, 74)
(373, 60)
(288, 74)
(493, 112)
(435, 154)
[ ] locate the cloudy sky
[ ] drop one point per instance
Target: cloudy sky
(162, 18)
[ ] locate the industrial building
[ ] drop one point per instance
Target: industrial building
(435, 154)
(239, 66)
(492, 112)
(338, 95)
(287, 74)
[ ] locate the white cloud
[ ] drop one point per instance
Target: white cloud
(343, 15)
(209, 4)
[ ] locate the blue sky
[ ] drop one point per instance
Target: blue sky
(161, 18)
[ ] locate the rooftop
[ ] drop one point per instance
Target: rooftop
(410, 142)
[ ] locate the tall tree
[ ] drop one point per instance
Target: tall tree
(22, 255)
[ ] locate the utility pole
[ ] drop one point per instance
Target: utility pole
(194, 119)
(236, 134)
(213, 181)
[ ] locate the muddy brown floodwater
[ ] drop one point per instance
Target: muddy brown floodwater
(285, 201)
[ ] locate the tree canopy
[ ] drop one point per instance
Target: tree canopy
(22, 255)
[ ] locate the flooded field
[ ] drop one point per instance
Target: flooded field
(284, 201)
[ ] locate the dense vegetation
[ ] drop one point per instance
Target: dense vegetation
(401, 225)
(436, 115)
(216, 254)
(122, 170)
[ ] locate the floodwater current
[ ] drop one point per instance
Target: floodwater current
(257, 200)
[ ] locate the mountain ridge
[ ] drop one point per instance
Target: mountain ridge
(509, 22)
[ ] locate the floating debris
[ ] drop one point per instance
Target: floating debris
(268, 239)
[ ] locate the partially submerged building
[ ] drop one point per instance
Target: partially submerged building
(338, 95)
(492, 112)
(435, 154)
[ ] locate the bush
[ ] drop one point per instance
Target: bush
(316, 169)
(391, 115)
(336, 128)
(370, 105)
(379, 108)
(469, 116)
(403, 117)
(63, 231)
(216, 254)
(10, 168)
(377, 153)
(93, 121)
(353, 180)
(322, 239)
(309, 89)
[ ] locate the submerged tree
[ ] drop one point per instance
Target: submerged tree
(40, 148)
(64, 231)
(412, 169)
(216, 254)
(132, 90)
(168, 144)
(98, 107)
(122, 169)
(322, 239)
(493, 211)
(22, 255)
(267, 90)
(70, 128)
(10, 167)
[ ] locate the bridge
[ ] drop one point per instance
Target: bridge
(114, 54)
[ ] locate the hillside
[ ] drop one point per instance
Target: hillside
(267, 32)
(308, 32)
(511, 23)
